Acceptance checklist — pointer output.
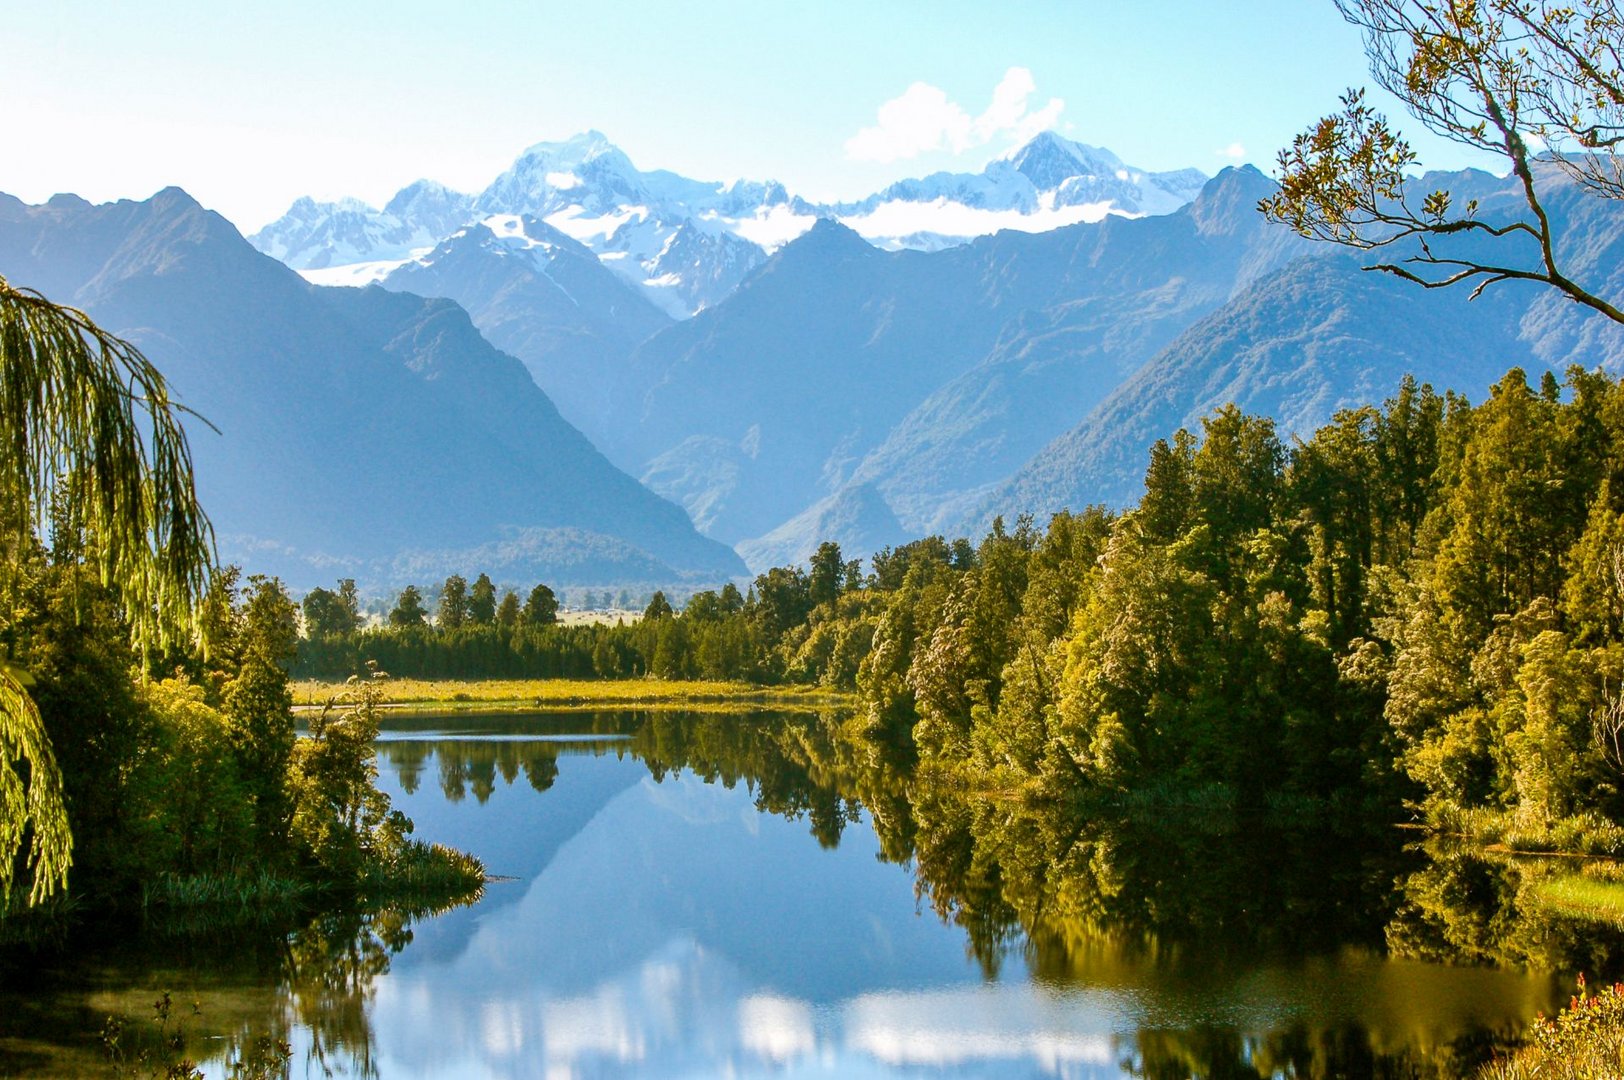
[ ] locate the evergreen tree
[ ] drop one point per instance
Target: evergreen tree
(326, 615)
(827, 574)
(509, 614)
(452, 613)
(541, 608)
(482, 602)
(409, 609)
(259, 705)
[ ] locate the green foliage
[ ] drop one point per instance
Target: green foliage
(409, 610)
(1585, 1041)
(1421, 603)
(331, 614)
(259, 706)
(31, 805)
(508, 612)
(453, 611)
(541, 607)
(202, 813)
(95, 459)
(482, 602)
(341, 821)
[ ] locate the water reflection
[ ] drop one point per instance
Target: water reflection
(697, 895)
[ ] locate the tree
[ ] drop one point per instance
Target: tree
(1510, 77)
(92, 445)
(658, 607)
(326, 614)
(409, 609)
(508, 614)
(541, 608)
(351, 601)
(482, 602)
(827, 573)
(259, 705)
(453, 610)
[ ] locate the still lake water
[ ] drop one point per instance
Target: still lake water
(698, 896)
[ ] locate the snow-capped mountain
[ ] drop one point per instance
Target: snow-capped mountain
(686, 244)
(1048, 183)
(348, 242)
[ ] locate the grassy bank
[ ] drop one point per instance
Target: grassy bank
(417, 872)
(1587, 833)
(1584, 896)
(422, 694)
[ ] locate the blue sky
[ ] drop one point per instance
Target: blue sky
(249, 105)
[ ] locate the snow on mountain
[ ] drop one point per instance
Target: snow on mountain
(686, 244)
(347, 235)
(1048, 183)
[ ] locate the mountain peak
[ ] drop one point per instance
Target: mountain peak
(1229, 200)
(578, 149)
(67, 200)
(1049, 160)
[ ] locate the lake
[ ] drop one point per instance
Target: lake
(756, 895)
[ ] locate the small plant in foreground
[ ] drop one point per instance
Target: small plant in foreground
(263, 1059)
(1583, 1042)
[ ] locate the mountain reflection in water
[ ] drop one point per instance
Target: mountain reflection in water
(703, 894)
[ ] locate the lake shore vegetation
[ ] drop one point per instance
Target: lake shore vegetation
(147, 745)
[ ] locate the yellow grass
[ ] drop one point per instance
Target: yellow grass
(573, 693)
(599, 618)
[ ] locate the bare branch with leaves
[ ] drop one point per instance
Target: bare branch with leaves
(1535, 83)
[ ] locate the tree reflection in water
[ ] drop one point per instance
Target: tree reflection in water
(1256, 921)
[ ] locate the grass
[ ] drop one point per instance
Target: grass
(427, 876)
(421, 877)
(1595, 894)
(1588, 833)
(261, 892)
(438, 694)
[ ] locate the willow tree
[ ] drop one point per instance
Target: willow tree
(90, 442)
(1536, 83)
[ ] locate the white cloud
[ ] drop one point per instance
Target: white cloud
(924, 119)
(889, 224)
(1234, 152)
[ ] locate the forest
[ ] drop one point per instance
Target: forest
(1416, 612)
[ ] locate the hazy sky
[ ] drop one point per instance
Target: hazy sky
(248, 105)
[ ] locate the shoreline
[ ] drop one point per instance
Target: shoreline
(491, 695)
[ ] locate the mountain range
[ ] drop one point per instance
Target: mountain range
(685, 243)
(867, 396)
(838, 386)
(351, 432)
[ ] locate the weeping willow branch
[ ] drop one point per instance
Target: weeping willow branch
(90, 444)
(84, 417)
(31, 807)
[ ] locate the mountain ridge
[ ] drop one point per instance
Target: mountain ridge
(355, 427)
(633, 219)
